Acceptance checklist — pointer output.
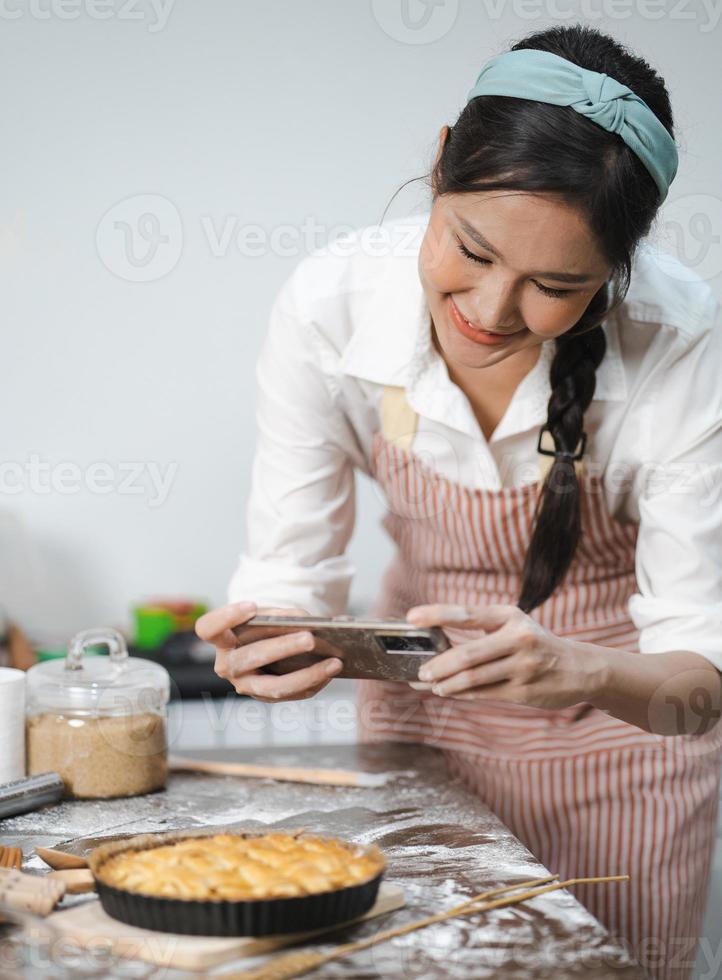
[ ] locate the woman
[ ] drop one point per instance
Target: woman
(536, 393)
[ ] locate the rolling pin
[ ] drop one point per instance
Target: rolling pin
(30, 793)
(291, 774)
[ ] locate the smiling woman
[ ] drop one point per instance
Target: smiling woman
(581, 694)
(571, 214)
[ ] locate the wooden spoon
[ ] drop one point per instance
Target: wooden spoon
(59, 860)
(77, 880)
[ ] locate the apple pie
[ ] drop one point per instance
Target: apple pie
(236, 883)
(235, 867)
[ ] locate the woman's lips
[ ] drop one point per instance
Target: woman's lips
(472, 333)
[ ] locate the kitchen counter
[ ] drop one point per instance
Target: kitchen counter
(441, 842)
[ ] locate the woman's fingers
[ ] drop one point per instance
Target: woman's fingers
(462, 658)
(282, 611)
(490, 617)
(503, 691)
(215, 626)
(258, 654)
(241, 663)
(474, 677)
(287, 687)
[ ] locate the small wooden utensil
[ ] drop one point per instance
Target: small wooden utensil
(11, 857)
(297, 964)
(59, 860)
(323, 777)
(29, 893)
(77, 880)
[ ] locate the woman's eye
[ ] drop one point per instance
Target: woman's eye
(547, 290)
(470, 255)
(552, 292)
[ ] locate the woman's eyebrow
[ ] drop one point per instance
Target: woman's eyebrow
(558, 276)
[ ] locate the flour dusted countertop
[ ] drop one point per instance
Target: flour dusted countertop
(441, 842)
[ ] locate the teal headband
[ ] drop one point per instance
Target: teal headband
(546, 77)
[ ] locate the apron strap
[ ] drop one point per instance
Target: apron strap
(398, 419)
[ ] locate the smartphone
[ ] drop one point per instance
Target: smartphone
(370, 649)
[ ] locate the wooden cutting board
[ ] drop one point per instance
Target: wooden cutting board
(88, 925)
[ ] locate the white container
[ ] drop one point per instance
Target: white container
(12, 724)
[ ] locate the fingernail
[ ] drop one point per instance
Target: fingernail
(438, 689)
(332, 666)
(246, 606)
(425, 674)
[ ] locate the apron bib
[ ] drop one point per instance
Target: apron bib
(588, 794)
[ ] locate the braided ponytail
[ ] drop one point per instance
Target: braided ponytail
(503, 143)
(557, 517)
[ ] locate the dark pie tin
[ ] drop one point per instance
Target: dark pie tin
(223, 917)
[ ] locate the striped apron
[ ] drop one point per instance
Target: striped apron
(588, 794)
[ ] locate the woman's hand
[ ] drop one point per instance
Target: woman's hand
(240, 664)
(516, 659)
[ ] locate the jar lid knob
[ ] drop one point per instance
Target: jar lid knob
(113, 639)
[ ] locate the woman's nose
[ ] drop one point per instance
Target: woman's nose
(493, 305)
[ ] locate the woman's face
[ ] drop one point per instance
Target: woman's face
(502, 261)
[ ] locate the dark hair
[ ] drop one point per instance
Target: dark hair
(499, 142)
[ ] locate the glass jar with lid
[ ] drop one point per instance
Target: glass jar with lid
(100, 722)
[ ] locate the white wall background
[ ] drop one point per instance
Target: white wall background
(237, 114)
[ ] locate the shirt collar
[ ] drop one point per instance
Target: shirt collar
(391, 345)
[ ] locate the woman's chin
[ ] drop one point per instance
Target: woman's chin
(465, 353)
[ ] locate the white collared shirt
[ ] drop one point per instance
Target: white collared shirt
(353, 317)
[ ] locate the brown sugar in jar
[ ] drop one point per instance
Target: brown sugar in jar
(100, 722)
(123, 755)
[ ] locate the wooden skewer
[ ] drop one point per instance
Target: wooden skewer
(297, 964)
(324, 777)
(484, 896)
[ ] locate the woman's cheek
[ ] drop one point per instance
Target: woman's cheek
(436, 275)
(440, 265)
(547, 322)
